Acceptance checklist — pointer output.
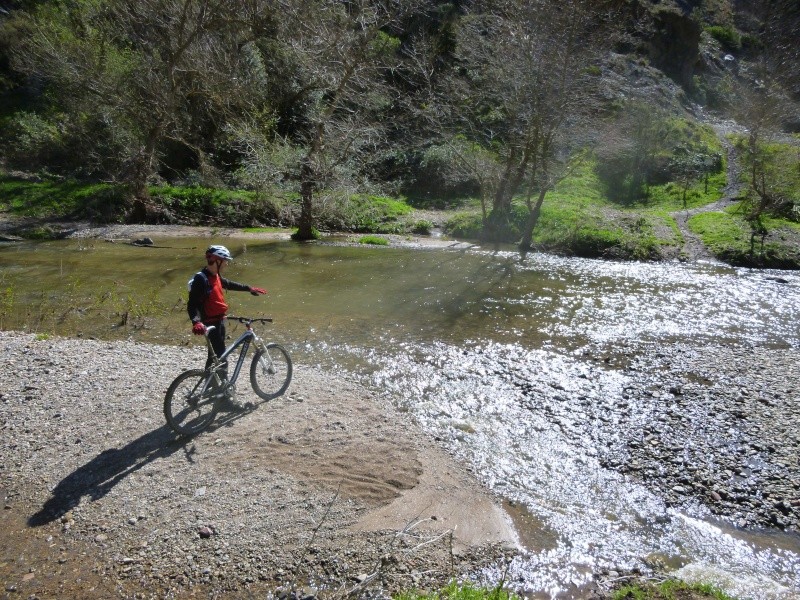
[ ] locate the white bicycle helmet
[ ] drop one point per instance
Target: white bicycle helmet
(219, 252)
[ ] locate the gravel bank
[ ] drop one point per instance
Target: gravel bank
(714, 425)
(324, 488)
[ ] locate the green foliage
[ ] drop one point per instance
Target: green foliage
(463, 591)
(451, 169)
(731, 237)
(61, 199)
(30, 138)
(727, 36)
(422, 227)
(373, 240)
(671, 589)
(384, 45)
(775, 167)
(655, 150)
(464, 225)
(368, 214)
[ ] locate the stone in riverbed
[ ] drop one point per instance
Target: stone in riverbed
(205, 532)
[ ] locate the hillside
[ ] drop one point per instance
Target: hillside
(671, 131)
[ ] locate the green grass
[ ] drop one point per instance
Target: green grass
(464, 591)
(58, 199)
(373, 240)
(670, 195)
(196, 204)
(263, 229)
(670, 589)
(579, 218)
(728, 236)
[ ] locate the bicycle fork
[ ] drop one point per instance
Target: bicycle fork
(265, 360)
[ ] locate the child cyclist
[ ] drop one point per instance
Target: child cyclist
(207, 304)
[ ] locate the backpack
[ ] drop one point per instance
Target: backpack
(205, 281)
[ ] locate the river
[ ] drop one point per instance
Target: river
(519, 366)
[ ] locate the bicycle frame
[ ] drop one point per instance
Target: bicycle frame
(244, 340)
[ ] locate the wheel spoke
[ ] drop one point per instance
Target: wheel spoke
(271, 371)
(189, 405)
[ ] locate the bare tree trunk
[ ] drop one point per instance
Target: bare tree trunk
(305, 228)
(141, 207)
(531, 221)
(516, 167)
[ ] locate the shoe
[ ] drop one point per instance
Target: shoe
(226, 404)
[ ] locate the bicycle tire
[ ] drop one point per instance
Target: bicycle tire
(268, 385)
(186, 412)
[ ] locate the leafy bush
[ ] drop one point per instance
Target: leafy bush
(30, 140)
(464, 225)
(365, 214)
(727, 36)
(422, 227)
(373, 240)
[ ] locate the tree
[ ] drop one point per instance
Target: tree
(765, 105)
(147, 73)
(633, 151)
(342, 53)
(527, 72)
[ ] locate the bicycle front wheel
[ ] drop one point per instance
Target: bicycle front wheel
(271, 372)
(190, 405)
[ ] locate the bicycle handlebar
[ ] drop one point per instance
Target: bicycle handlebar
(248, 320)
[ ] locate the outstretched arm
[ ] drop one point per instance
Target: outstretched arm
(241, 287)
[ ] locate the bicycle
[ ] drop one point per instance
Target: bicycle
(195, 396)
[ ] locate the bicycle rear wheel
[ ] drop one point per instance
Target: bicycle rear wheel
(189, 408)
(271, 372)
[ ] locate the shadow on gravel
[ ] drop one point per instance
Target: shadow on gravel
(97, 477)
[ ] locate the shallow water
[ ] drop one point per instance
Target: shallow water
(455, 338)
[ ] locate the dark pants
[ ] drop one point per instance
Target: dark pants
(217, 339)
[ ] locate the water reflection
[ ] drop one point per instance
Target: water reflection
(358, 295)
(531, 422)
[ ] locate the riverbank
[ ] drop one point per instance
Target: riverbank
(326, 486)
(117, 233)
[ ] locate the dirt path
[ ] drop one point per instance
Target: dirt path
(693, 247)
